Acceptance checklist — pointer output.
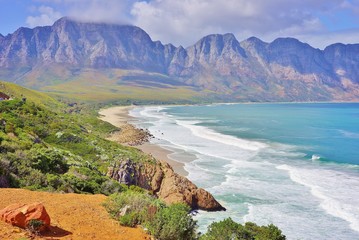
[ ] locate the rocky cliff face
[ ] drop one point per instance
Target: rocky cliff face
(160, 178)
(84, 45)
(283, 70)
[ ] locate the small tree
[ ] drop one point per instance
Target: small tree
(227, 229)
(173, 222)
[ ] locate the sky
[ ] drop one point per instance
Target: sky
(183, 22)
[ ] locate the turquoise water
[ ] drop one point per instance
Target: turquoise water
(294, 165)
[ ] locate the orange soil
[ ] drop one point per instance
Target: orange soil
(73, 216)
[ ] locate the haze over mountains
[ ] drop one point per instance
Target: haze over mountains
(217, 65)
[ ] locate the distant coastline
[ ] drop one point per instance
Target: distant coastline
(130, 135)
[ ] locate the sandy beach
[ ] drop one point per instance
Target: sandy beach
(131, 136)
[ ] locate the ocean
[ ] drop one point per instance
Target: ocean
(295, 165)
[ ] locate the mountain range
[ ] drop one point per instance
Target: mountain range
(121, 59)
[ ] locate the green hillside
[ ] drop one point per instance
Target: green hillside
(44, 145)
(38, 98)
(96, 85)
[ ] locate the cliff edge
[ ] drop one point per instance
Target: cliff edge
(159, 177)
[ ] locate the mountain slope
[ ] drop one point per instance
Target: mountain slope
(217, 66)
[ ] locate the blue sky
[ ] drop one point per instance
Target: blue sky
(317, 22)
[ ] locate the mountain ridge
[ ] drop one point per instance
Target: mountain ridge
(251, 70)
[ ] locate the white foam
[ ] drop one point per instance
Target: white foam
(315, 157)
(228, 166)
(338, 192)
(209, 134)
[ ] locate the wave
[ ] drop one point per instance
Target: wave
(152, 112)
(316, 157)
(337, 191)
(209, 134)
(349, 134)
(248, 177)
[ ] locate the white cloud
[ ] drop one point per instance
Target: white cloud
(108, 11)
(184, 22)
(47, 16)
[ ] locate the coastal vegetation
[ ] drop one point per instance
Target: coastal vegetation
(165, 222)
(134, 207)
(51, 145)
(228, 229)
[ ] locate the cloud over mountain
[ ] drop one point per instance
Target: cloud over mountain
(183, 22)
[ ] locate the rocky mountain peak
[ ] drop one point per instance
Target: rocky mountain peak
(254, 42)
(251, 69)
(255, 46)
(216, 43)
(286, 44)
(345, 60)
(211, 48)
(78, 44)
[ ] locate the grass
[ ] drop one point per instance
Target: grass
(45, 146)
(39, 98)
(91, 85)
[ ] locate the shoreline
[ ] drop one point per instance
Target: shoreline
(130, 135)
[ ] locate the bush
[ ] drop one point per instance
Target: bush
(130, 207)
(223, 230)
(130, 220)
(111, 186)
(34, 226)
(48, 160)
(134, 207)
(173, 222)
(230, 230)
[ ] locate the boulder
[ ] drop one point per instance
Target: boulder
(159, 177)
(20, 214)
(178, 189)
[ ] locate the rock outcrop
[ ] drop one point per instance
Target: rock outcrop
(21, 214)
(159, 177)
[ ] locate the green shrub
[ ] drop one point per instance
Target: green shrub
(48, 160)
(135, 188)
(111, 186)
(34, 226)
(134, 207)
(135, 202)
(79, 185)
(227, 229)
(32, 179)
(53, 181)
(130, 220)
(223, 230)
(270, 232)
(173, 222)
